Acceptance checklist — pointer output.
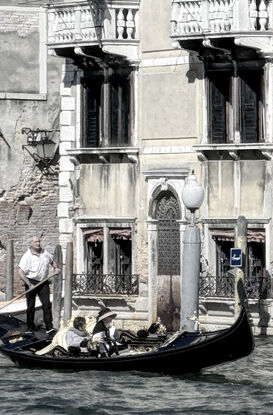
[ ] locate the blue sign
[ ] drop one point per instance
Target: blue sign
(236, 257)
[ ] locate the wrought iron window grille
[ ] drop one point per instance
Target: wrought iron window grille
(108, 284)
(224, 286)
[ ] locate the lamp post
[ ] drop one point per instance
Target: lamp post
(192, 196)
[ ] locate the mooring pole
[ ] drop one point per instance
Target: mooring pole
(9, 270)
(68, 282)
(57, 288)
(240, 242)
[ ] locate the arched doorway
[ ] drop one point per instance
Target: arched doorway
(167, 213)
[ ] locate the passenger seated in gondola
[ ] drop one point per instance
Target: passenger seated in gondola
(104, 332)
(61, 337)
(77, 336)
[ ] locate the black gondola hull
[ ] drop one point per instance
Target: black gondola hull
(176, 358)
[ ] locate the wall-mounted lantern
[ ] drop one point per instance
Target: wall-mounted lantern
(40, 146)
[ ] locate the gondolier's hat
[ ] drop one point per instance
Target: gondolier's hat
(104, 313)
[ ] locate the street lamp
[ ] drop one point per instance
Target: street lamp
(192, 196)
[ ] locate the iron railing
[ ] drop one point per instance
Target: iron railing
(224, 286)
(109, 284)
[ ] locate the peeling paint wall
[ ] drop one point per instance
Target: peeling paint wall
(29, 97)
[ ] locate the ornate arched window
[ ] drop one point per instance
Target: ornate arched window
(167, 212)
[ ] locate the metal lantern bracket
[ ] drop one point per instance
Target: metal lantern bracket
(43, 147)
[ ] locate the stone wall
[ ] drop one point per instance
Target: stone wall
(26, 209)
(29, 97)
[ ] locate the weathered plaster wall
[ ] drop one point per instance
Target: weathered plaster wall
(229, 188)
(28, 195)
(108, 190)
(155, 27)
(19, 37)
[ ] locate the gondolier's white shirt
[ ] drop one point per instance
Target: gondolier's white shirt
(36, 267)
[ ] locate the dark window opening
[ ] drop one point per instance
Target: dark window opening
(251, 107)
(106, 111)
(219, 97)
(235, 104)
(256, 282)
(120, 111)
(92, 111)
(95, 258)
(120, 251)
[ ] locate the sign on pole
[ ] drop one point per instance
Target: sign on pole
(236, 257)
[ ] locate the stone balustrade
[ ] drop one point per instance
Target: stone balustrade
(92, 22)
(193, 17)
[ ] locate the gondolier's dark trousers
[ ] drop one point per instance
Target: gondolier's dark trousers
(43, 293)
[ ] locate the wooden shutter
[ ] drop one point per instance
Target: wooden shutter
(219, 98)
(115, 109)
(91, 113)
(126, 98)
(250, 85)
(120, 111)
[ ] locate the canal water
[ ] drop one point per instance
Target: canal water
(244, 387)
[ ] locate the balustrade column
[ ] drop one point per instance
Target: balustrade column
(120, 24)
(130, 24)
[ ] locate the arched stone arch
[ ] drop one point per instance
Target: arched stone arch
(160, 188)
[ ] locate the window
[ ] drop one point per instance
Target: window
(106, 110)
(119, 252)
(256, 282)
(235, 104)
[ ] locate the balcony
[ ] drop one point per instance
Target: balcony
(91, 27)
(229, 25)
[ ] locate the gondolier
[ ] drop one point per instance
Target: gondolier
(34, 268)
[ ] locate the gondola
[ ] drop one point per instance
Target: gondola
(183, 353)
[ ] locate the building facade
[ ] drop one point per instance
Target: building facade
(29, 100)
(149, 91)
(152, 90)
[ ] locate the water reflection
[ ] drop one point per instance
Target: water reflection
(243, 387)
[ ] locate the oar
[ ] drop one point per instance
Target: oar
(27, 291)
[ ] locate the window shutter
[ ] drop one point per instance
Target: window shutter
(92, 98)
(115, 108)
(126, 111)
(120, 111)
(249, 108)
(218, 114)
